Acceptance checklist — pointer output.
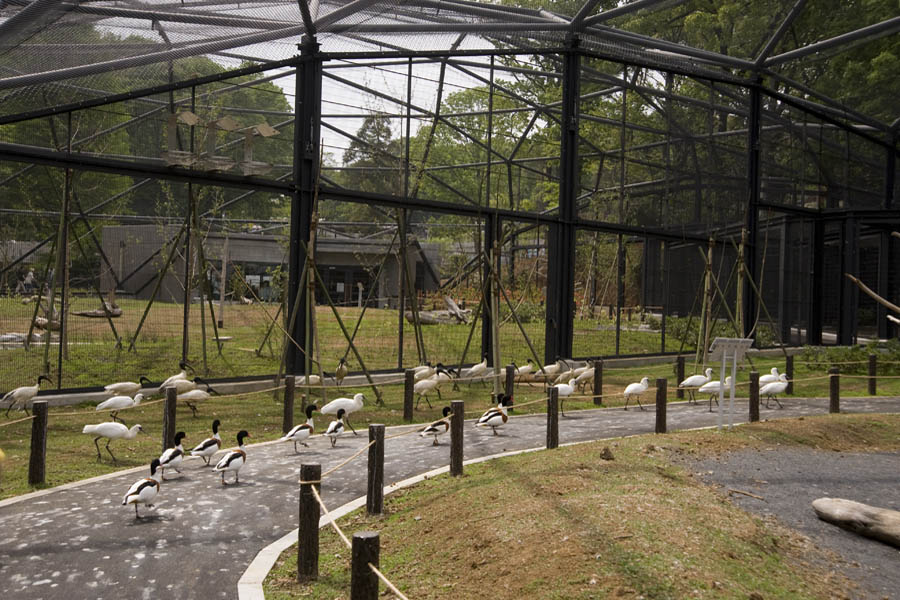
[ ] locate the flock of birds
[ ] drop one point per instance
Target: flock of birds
(566, 379)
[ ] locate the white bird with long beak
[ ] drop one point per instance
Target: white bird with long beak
(634, 390)
(336, 427)
(111, 431)
(143, 491)
(193, 396)
(714, 389)
(300, 433)
(208, 447)
(770, 377)
(564, 390)
(497, 416)
(551, 371)
(21, 395)
(349, 405)
(233, 459)
(772, 389)
(439, 427)
(694, 382)
(424, 371)
(172, 457)
(182, 375)
(525, 370)
(117, 403)
(126, 388)
(476, 371)
(585, 377)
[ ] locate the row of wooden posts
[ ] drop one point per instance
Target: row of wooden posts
(37, 459)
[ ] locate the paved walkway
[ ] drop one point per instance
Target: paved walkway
(81, 543)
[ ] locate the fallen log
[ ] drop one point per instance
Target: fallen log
(882, 524)
(101, 313)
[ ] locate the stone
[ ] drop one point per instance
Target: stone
(882, 524)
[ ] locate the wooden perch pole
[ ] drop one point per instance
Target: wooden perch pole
(873, 295)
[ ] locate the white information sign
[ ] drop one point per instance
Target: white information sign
(723, 349)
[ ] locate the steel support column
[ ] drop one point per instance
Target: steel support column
(885, 327)
(816, 311)
(752, 220)
(561, 238)
(849, 299)
(491, 228)
(308, 110)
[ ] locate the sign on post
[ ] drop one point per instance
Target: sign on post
(723, 349)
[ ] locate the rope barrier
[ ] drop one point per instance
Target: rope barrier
(333, 469)
(869, 376)
(106, 410)
(17, 421)
(386, 582)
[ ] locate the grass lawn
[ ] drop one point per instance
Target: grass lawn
(72, 456)
(569, 524)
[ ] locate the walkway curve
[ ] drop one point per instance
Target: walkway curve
(79, 542)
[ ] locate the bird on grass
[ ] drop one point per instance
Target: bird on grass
(111, 431)
(714, 389)
(210, 445)
(439, 427)
(634, 390)
(771, 390)
(336, 427)
(126, 388)
(695, 381)
(341, 371)
(143, 491)
(300, 433)
(21, 395)
(564, 390)
(349, 405)
(586, 376)
(172, 457)
(476, 371)
(233, 459)
(117, 403)
(552, 371)
(193, 396)
(771, 377)
(443, 376)
(182, 386)
(497, 416)
(525, 370)
(182, 375)
(424, 371)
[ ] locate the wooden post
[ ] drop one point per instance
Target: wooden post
(679, 376)
(598, 382)
(510, 380)
(287, 418)
(456, 437)
(873, 365)
(789, 371)
(223, 280)
(834, 396)
(37, 462)
(553, 419)
(375, 485)
(364, 581)
(754, 396)
(168, 436)
(408, 386)
(661, 390)
(308, 530)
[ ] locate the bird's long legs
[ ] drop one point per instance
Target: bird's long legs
(347, 421)
(96, 440)
(193, 409)
(115, 462)
(115, 417)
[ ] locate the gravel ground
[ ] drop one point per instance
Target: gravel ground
(790, 479)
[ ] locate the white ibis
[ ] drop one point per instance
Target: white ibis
(714, 389)
(349, 405)
(117, 403)
(111, 431)
(126, 388)
(476, 371)
(564, 390)
(21, 395)
(182, 375)
(695, 381)
(634, 390)
(193, 396)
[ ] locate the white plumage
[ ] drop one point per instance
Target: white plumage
(191, 397)
(117, 403)
(695, 381)
(585, 377)
(349, 405)
(714, 389)
(476, 371)
(143, 491)
(497, 416)
(21, 395)
(111, 431)
(439, 427)
(771, 390)
(552, 370)
(581, 370)
(182, 375)
(126, 388)
(564, 389)
(336, 427)
(233, 459)
(208, 447)
(634, 390)
(300, 433)
(423, 371)
(770, 377)
(525, 370)
(172, 457)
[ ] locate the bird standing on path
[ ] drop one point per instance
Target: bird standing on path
(336, 427)
(23, 394)
(172, 457)
(111, 431)
(563, 390)
(771, 390)
(634, 390)
(210, 445)
(439, 427)
(770, 377)
(143, 491)
(233, 459)
(696, 381)
(126, 388)
(714, 389)
(497, 416)
(300, 433)
(349, 405)
(117, 403)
